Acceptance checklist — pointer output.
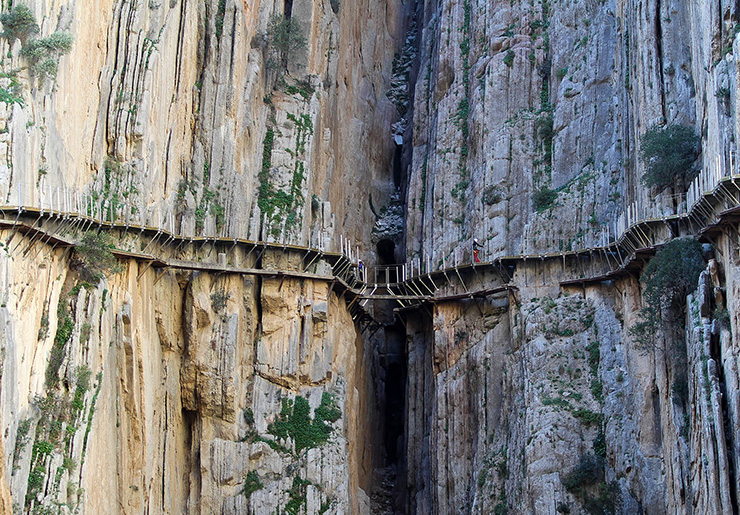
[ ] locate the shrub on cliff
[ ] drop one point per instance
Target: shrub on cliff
(19, 23)
(43, 54)
(673, 272)
(669, 154)
(284, 39)
(671, 275)
(544, 198)
(586, 482)
(94, 257)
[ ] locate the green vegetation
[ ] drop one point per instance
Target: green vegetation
(460, 118)
(423, 197)
(325, 506)
(669, 154)
(118, 191)
(295, 422)
(297, 495)
(265, 189)
(276, 205)
(44, 325)
(90, 413)
(252, 483)
(667, 279)
(43, 54)
(220, 14)
(12, 93)
(94, 257)
(65, 325)
(587, 482)
(85, 332)
(83, 385)
(545, 129)
(600, 444)
(284, 40)
(509, 58)
(588, 417)
(60, 416)
(544, 198)
(19, 23)
(491, 196)
(302, 87)
(21, 439)
(722, 316)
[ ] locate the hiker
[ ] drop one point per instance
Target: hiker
(476, 249)
(361, 270)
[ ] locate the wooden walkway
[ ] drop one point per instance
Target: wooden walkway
(712, 202)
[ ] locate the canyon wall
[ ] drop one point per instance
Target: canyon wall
(191, 391)
(406, 129)
(518, 393)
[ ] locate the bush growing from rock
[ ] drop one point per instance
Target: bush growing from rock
(19, 23)
(284, 39)
(95, 259)
(670, 276)
(587, 482)
(544, 198)
(669, 154)
(43, 54)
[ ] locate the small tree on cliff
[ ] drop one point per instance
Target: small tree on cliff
(669, 154)
(19, 23)
(284, 39)
(669, 277)
(94, 257)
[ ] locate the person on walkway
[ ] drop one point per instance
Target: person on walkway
(476, 249)
(361, 270)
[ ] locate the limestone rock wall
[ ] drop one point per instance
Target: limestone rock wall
(159, 394)
(177, 114)
(172, 114)
(516, 98)
(512, 397)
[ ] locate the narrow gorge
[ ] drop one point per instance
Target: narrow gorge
(349, 256)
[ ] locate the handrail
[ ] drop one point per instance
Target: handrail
(63, 202)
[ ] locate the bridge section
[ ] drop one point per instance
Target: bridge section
(712, 201)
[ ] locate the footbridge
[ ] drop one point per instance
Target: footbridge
(59, 218)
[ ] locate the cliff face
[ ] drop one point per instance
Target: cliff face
(190, 378)
(512, 99)
(189, 391)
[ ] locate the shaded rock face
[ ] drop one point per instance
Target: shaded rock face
(509, 411)
(545, 404)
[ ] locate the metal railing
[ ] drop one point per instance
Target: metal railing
(62, 201)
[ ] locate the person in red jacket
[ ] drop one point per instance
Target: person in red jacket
(476, 249)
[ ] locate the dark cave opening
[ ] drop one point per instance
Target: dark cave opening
(390, 482)
(386, 252)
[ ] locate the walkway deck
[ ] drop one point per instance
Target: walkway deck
(712, 202)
